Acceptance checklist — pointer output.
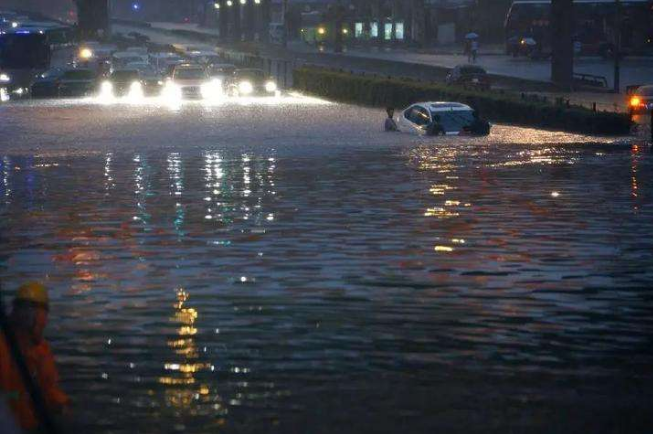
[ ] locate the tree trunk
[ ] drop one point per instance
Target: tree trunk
(92, 18)
(562, 62)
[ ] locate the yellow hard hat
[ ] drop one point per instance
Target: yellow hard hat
(34, 292)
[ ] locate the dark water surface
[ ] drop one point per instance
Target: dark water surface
(290, 268)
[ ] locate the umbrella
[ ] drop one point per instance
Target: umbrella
(471, 35)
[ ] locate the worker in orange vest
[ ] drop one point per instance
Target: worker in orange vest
(28, 320)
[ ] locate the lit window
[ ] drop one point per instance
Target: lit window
(387, 31)
(358, 30)
(399, 31)
(374, 30)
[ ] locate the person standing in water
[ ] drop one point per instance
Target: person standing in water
(390, 124)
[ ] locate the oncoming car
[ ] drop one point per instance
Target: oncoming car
(442, 118)
(246, 82)
(641, 100)
(122, 82)
(190, 81)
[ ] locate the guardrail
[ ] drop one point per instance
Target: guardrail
(591, 80)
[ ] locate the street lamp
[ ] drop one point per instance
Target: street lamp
(216, 5)
(230, 3)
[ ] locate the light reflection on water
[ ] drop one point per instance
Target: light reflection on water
(195, 287)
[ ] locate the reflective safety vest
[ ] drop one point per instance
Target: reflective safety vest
(40, 362)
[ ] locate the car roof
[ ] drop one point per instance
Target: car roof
(190, 66)
(444, 106)
(648, 90)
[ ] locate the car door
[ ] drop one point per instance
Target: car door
(414, 119)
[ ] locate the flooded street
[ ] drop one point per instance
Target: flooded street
(262, 266)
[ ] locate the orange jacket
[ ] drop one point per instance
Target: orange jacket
(40, 362)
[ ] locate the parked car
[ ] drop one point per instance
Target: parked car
(67, 82)
(442, 118)
(469, 76)
(641, 100)
(246, 82)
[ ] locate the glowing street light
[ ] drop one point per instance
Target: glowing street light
(230, 3)
(216, 5)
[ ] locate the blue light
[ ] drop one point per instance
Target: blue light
(23, 32)
(136, 6)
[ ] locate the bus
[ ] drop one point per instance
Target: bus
(28, 49)
(528, 29)
(317, 31)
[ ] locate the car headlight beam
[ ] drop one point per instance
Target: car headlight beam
(271, 86)
(245, 87)
(4, 78)
(136, 90)
(106, 89)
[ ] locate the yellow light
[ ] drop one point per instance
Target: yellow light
(443, 249)
(85, 53)
(321, 30)
(345, 31)
(635, 101)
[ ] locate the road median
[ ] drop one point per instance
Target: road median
(497, 106)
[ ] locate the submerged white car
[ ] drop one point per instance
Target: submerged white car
(442, 118)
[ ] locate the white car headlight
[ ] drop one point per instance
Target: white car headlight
(171, 91)
(4, 78)
(106, 89)
(212, 89)
(135, 90)
(271, 86)
(245, 87)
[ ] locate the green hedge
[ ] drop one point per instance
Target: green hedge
(497, 107)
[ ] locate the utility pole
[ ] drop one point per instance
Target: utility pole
(284, 18)
(337, 28)
(617, 46)
(562, 62)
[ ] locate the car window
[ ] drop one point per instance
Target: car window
(252, 74)
(645, 91)
(125, 75)
(51, 73)
(189, 74)
(472, 70)
(79, 75)
(454, 121)
(420, 116)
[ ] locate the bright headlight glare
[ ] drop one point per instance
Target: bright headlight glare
(135, 90)
(106, 86)
(85, 53)
(4, 78)
(245, 87)
(270, 86)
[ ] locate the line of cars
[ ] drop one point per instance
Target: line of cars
(135, 73)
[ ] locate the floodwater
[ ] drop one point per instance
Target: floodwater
(289, 267)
